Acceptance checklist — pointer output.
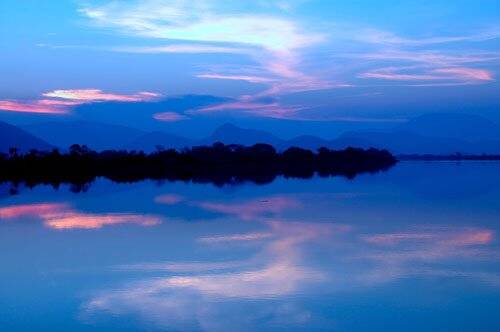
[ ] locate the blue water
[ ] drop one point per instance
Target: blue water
(415, 248)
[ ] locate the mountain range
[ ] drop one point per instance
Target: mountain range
(14, 137)
(434, 133)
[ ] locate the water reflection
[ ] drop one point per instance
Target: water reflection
(295, 255)
(63, 216)
(282, 266)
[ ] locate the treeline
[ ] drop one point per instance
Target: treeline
(218, 163)
(450, 157)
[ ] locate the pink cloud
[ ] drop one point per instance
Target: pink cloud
(455, 238)
(467, 73)
(64, 99)
(59, 102)
(429, 57)
(461, 76)
(270, 110)
(236, 237)
(398, 77)
(96, 95)
(170, 117)
(31, 107)
(391, 239)
(251, 79)
(469, 238)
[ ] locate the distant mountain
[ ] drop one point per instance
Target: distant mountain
(96, 135)
(406, 142)
(150, 141)
(306, 142)
(452, 125)
(231, 134)
(14, 137)
(413, 137)
(346, 141)
(435, 133)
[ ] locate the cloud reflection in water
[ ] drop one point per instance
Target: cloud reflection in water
(282, 267)
(62, 216)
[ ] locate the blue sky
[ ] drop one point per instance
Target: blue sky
(287, 64)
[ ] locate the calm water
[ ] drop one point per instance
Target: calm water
(412, 249)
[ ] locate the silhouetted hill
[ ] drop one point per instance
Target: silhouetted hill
(231, 134)
(410, 142)
(150, 141)
(346, 141)
(306, 142)
(434, 133)
(453, 125)
(14, 137)
(96, 135)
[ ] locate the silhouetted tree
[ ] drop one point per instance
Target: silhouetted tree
(217, 163)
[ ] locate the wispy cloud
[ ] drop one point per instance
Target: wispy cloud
(40, 107)
(274, 42)
(63, 100)
(430, 66)
(249, 106)
(236, 237)
(377, 36)
(461, 75)
(278, 45)
(170, 117)
(96, 95)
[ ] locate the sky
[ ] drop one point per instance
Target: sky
(292, 67)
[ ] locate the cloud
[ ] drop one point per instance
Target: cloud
(274, 42)
(436, 58)
(236, 237)
(432, 67)
(377, 36)
(199, 21)
(96, 95)
(278, 45)
(266, 109)
(63, 100)
(461, 75)
(40, 107)
(467, 74)
(170, 117)
(188, 48)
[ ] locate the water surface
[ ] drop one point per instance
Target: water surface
(411, 249)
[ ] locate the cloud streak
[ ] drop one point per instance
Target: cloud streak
(273, 42)
(62, 100)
